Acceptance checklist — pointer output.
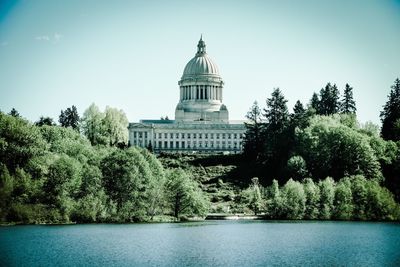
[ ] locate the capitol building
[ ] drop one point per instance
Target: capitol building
(201, 119)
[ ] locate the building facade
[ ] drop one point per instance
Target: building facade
(201, 119)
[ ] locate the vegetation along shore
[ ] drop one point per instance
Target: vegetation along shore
(315, 163)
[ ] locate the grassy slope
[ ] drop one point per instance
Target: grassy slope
(221, 176)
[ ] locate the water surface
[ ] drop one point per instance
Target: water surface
(210, 243)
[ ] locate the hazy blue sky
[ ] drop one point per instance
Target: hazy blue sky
(131, 54)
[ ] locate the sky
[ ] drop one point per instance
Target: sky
(131, 54)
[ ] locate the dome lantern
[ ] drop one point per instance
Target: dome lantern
(201, 47)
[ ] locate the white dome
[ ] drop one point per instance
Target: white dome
(201, 64)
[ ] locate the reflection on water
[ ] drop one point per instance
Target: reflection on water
(209, 243)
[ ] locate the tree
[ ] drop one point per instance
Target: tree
(252, 196)
(343, 202)
(314, 102)
(294, 200)
(331, 148)
(276, 133)
(69, 118)
(329, 100)
(14, 113)
(125, 178)
(327, 196)
(360, 196)
(63, 184)
(297, 167)
(390, 116)
(276, 113)
(115, 125)
(6, 189)
(92, 125)
(20, 141)
(252, 138)
(348, 104)
(311, 191)
(155, 193)
(45, 121)
(274, 203)
(184, 195)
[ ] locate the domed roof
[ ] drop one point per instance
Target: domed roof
(201, 64)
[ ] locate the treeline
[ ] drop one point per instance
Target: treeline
(82, 170)
(53, 174)
(324, 140)
(351, 198)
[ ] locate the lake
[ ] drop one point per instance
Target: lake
(208, 243)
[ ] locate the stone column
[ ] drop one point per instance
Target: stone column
(185, 95)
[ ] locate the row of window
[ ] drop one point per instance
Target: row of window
(188, 145)
(189, 135)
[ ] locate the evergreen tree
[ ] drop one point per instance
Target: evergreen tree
(14, 113)
(329, 100)
(329, 103)
(390, 116)
(348, 104)
(276, 113)
(252, 138)
(70, 118)
(300, 116)
(45, 121)
(314, 102)
(276, 133)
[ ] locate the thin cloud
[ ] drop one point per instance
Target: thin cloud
(55, 38)
(4, 43)
(42, 38)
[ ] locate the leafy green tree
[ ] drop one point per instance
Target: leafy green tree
(19, 142)
(390, 116)
(297, 167)
(381, 203)
(274, 203)
(360, 196)
(63, 184)
(348, 105)
(92, 125)
(125, 176)
(184, 195)
(327, 196)
(45, 121)
(252, 196)
(155, 194)
(343, 202)
(294, 199)
(311, 191)
(69, 118)
(115, 125)
(329, 100)
(91, 208)
(332, 149)
(252, 138)
(6, 189)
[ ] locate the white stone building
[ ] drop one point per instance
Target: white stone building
(201, 120)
